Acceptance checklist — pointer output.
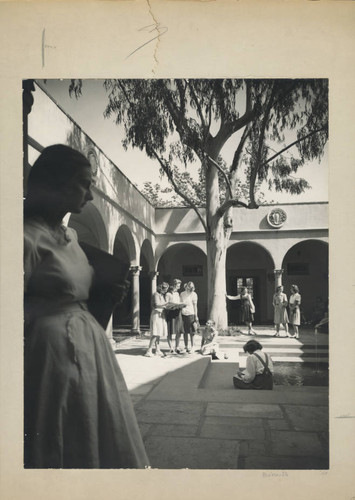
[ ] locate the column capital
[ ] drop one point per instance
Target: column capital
(154, 274)
(135, 270)
(278, 272)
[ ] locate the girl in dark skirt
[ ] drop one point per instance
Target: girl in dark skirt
(247, 308)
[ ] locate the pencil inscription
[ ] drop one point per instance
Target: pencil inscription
(161, 30)
(45, 46)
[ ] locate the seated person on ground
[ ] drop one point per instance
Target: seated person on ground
(259, 369)
(209, 341)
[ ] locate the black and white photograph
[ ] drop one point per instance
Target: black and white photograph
(176, 249)
(211, 197)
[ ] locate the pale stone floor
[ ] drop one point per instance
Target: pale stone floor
(188, 422)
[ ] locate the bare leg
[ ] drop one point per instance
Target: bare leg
(277, 326)
(250, 329)
(177, 340)
(296, 331)
(170, 342)
(150, 347)
(157, 344)
(192, 341)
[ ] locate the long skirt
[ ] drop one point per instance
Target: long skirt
(78, 412)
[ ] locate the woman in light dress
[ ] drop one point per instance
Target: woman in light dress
(158, 324)
(247, 308)
(295, 312)
(77, 409)
(259, 370)
(280, 310)
(189, 315)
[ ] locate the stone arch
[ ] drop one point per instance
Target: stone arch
(90, 227)
(146, 263)
(186, 262)
(305, 264)
(250, 264)
(124, 249)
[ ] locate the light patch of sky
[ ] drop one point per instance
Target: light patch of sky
(88, 112)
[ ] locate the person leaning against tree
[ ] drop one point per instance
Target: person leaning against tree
(247, 308)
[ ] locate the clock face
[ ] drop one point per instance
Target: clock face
(276, 217)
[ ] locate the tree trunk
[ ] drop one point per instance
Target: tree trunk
(216, 272)
(216, 238)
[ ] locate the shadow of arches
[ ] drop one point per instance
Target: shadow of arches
(147, 264)
(306, 265)
(90, 227)
(124, 250)
(250, 264)
(187, 263)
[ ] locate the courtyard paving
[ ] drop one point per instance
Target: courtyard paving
(191, 417)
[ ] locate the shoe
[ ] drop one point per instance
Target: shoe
(160, 354)
(276, 335)
(188, 351)
(149, 354)
(225, 356)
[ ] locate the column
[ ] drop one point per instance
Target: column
(27, 102)
(135, 270)
(154, 276)
(278, 277)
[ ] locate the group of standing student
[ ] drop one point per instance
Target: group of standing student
(173, 313)
(280, 304)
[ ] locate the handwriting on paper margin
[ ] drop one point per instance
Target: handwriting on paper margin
(45, 46)
(150, 28)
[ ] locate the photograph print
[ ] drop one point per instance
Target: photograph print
(176, 274)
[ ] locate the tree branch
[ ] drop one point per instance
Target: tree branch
(232, 203)
(229, 186)
(177, 189)
(199, 110)
(257, 165)
(293, 144)
(239, 150)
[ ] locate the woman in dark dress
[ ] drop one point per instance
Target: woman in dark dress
(247, 308)
(77, 409)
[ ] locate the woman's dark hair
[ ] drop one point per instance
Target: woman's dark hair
(53, 170)
(56, 166)
(252, 346)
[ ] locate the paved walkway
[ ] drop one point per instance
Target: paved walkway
(191, 416)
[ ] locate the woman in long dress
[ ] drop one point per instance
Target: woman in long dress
(173, 315)
(247, 308)
(279, 302)
(158, 324)
(295, 312)
(189, 315)
(77, 409)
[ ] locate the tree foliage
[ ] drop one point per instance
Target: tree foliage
(275, 127)
(282, 125)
